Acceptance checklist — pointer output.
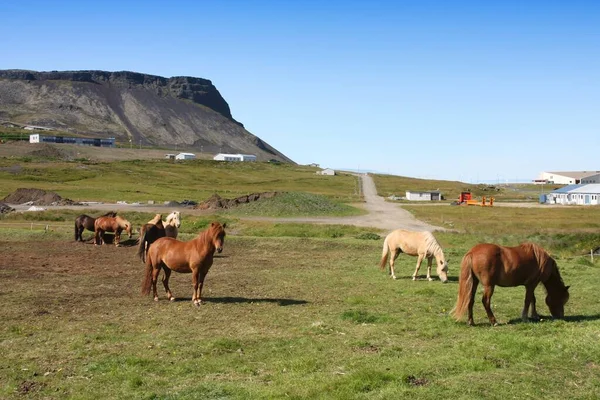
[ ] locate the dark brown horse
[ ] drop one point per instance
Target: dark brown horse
(527, 264)
(116, 224)
(194, 256)
(84, 222)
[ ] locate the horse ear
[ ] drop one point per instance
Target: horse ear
(225, 225)
(567, 288)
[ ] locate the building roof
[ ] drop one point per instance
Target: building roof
(593, 188)
(575, 174)
(423, 191)
(186, 154)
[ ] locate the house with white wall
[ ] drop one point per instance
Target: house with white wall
(234, 157)
(567, 177)
(430, 195)
(588, 194)
(326, 171)
(185, 156)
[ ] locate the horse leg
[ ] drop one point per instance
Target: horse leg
(393, 257)
(195, 283)
(165, 282)
(117, 238)
(155, 272)
(201, 276)
(429, 262)
(419, 261)
(488, 291)
(472, 301)
(529, 300)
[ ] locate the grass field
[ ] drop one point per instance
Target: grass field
(164, 180)
(388, 185)
(285, 317)
(292, 310)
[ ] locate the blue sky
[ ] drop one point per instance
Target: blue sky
(457, 90)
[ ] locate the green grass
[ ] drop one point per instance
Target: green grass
(284, 318)
(388, 185)
(164, 180)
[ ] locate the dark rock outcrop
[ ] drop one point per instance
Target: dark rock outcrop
(181, 111)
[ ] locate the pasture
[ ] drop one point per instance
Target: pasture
(285, 317)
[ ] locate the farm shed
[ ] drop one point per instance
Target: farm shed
(587, 194)
(185, 156)
(234, 157)
(568, 178)
(431, 195)
(326, 171)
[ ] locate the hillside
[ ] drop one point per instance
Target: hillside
(144, 109)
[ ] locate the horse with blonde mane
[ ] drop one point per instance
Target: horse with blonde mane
(116, 224)
(155, 229)
(420, 244)
(525, 265)
(194, 256)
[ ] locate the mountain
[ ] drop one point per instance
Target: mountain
(129, 106)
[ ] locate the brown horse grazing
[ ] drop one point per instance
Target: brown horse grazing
(527, 264)
(86, 222)
(195, 256)
(111, 224)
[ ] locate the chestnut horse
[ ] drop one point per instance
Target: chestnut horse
(195, 256)
(420, 244)
(527, 264)
(111, 224)
(86, 222)
(155, 229)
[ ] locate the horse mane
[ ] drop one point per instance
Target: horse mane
(175, 215)
(157, 217)
(213, 230)
(433, 246)
(122, 221)
(546, 263)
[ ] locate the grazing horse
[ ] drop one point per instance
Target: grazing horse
(194, 256)
(527, 264)
(86, 222)
(421, 244)
(111, 224)
(155, 229)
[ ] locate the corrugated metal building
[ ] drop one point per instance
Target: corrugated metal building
(588, 194)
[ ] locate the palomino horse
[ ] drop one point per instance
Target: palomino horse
(155, 229)
(527, 264)
(421, 244)
(86, 222)
(195, 256)
(111, 224)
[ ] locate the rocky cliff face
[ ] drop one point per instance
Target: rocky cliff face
(184, 111)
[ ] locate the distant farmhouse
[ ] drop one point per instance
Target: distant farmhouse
(185, 156)
(568, 178)
(234, 157)
(586, 194)
(326, 171)
(432, 195)
(98, 142)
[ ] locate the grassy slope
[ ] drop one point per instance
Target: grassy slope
(166, 180)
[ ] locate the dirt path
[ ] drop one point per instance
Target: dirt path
(382, 214)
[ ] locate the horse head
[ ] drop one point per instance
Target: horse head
(442, 269)
(218, 235)
(556, 302)
(173, 219)
(124, 224)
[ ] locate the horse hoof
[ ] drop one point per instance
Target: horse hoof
(414, 278)
(394, 277)
(156, 299)
(171, 298)
(430, 279)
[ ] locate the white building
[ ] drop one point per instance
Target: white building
(234, 157)
(431, 195)
(326, 171)
(588, 194)
(568, 178)
(185, 156)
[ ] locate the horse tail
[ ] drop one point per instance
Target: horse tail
(141, 251)
(147, 281)
(465, 286)
(384, 254)
(76, 229)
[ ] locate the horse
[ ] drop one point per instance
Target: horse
(194, 256)
(111, 224)
(86, 222)
(421, 244)
(527, 264)
(155, 229)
